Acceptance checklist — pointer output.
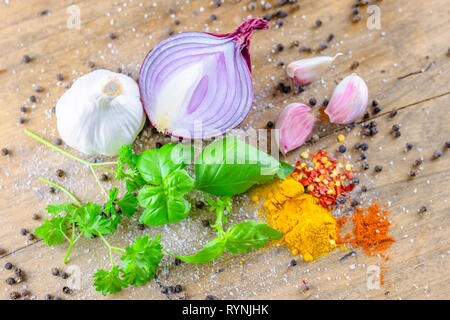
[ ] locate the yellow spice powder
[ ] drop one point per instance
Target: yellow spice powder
(308, 228)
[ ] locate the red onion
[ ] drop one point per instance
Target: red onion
(198, 85)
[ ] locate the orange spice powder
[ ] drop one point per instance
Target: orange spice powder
(370, 232)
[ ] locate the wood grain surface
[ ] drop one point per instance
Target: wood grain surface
(405, 64)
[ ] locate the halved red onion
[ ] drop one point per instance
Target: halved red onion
(295, 122)
(198, 85)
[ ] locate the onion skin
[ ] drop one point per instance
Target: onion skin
(198, 85)
(295, 124)
(349, 100)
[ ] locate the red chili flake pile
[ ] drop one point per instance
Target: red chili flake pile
(325, 178)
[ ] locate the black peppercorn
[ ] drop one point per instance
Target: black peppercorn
(437, 154)
(280, 47)
(447, 144)
(355, 181)
(33, 99)
(397, 134)
(213, 17)
(178, 288)
(141, 226)
(364, 146)
(393, 113)
(31, 237)
(409, 146)
(64, 275)
(412, 173)
(5, 152)
(378, 168)
(58, 141)
(293, 263)
(55, 272)
(171, 289)
(10, 281)
(104, 177)
(205, 223)
(325, 102)
(395, 127)
(67, 290)
(354, 65)
(163, 290)
(23, 109)
(363, 188)
(177, 262)
(270, 124)
(318, 23)
(59, 173)
(59, 77)
(354, 202)
(14, 295)
(365, 166)
(112, 36)
(8, 266)
(376, 109)
(363, 156)
(26, 58)
(199, 204)
(330, 37)
(48, 297)
(177, 22)
(312, 101)
(342, 149)
(209, 297)
(158, 145)
(366, 116)
(423, 209)
(23, 232)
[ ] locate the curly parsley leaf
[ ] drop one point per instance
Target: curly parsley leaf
(140, 261)
(109, 281)
(128, 158)
(91, 220)
(52, 231)
(128, 203)
(56, 208)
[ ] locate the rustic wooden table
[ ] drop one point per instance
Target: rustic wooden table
(405, 63)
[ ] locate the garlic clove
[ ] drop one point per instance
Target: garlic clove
(295, 124)
(100, 112)
(349, 100)
(308, 70)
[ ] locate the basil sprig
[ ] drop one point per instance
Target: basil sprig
(240, 238)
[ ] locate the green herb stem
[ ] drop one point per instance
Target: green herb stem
(89, 164)
(42, 140)
(98, 181)
(62, 189)
(72, 243)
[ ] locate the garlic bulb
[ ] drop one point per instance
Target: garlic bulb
(100, 112)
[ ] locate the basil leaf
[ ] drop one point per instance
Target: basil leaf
(210, 251)
(285, 170)
(161, 208)
(230, 166)
(178, 183)
(248, 235)
(155, 164)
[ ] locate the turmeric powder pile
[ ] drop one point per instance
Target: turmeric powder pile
(308, 228)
